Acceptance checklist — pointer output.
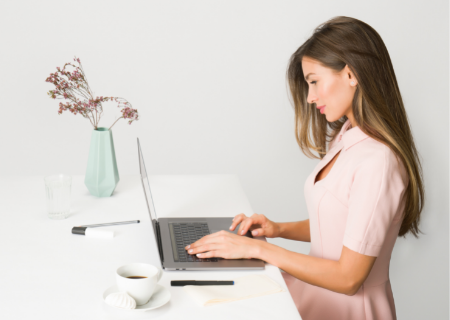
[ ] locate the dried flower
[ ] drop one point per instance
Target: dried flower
(74, 87)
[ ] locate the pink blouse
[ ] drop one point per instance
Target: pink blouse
(358, 205)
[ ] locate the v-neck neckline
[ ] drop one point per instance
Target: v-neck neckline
(338, 149)
(317, 182)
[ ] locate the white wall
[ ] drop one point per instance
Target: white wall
(208, 79)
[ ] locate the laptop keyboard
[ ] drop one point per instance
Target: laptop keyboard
(184, 234)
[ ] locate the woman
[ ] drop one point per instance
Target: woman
(365, 192)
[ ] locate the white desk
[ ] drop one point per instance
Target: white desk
(48, 273)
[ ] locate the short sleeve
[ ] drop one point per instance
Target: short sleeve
(377, 190)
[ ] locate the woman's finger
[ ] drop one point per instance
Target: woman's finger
(255, 220)
(245, 225)
(238, 219)
(201, 241)
(205, 248)
(199, 249)
(259, 218)
(217, 237)
(209, 254)
(258, 232)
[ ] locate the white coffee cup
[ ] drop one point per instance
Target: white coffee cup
(140, 289)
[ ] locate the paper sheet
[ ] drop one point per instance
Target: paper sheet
(244, 288)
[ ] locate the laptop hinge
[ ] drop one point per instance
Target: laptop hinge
(158, 237)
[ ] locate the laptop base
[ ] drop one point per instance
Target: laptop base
(215, 225)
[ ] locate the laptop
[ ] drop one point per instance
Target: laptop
(173, 234)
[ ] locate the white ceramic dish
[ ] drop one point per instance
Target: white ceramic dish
(159, 298)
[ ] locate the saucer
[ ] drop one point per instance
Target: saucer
(159, 298)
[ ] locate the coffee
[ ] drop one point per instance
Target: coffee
(139, 280)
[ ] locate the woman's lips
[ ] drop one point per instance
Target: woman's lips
(322, 109)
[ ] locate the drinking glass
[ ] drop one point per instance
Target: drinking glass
(58, 195)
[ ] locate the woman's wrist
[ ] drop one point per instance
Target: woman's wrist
(265, 251)
(258, 248)
(281, 228)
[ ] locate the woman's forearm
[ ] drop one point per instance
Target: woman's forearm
(324, 273)
(298, 230)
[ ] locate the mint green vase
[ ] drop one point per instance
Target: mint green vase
(102, 175)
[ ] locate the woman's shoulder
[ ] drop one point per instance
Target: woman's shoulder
(372, 151)
(371, 154)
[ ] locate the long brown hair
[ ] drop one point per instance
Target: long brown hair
(377, 104)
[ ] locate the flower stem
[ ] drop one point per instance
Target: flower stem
(114, 123)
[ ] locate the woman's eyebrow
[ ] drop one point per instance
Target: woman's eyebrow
(306, 78)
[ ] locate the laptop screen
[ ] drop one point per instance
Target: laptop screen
(146, 185)
(147, 192)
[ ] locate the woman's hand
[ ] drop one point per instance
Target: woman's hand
(225, 245)
(258, 224)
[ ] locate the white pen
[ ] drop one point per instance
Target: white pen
(110, 224)
(88, 230)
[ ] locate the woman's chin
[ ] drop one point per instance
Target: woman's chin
(330, 118)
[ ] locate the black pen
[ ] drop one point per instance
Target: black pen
(181, 283)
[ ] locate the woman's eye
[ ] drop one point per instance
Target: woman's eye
(313, 82)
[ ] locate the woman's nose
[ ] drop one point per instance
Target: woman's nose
(311, 99)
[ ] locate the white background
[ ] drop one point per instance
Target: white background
(208, 80)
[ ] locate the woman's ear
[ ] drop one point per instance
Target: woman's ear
(350, 77)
